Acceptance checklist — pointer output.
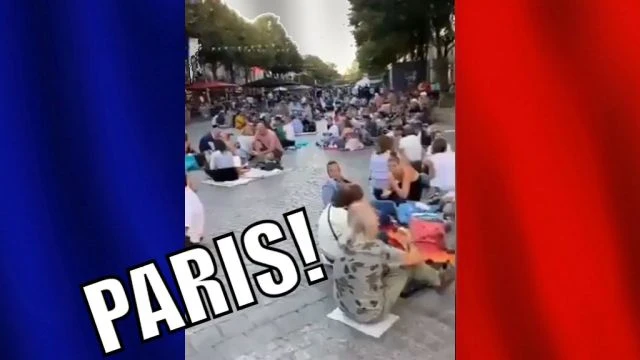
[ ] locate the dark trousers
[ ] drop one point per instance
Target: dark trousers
(377, 193)
(228, 174)
(287, 143)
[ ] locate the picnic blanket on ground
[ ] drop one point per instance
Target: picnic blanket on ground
(261, 174)
(375, 330)
(251, 175)
(427, 236)
(241, 181)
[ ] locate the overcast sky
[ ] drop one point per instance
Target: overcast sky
(319, 27)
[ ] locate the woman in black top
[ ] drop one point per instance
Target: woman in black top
(405, 183)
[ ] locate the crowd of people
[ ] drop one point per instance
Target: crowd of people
(369, 274)
(411, 162)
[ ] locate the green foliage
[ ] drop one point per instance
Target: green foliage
(353, 73)
(387, 30)
(228, 38)
(318, 70)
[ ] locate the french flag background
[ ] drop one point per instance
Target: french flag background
(91, 109)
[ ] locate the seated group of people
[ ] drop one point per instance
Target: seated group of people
(287, 129)
(368, 274)
(224, 159)
(345, 134)
(401, 168)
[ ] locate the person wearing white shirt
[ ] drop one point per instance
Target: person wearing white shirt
(411, 147)
(334, 130)
(442, 166)
(288, 129)
(333, 222)
(193, 215)
(436, 135)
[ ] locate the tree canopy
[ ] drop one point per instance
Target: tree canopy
(388, 30)
(353, 73)
(320, 71)
(228, 38)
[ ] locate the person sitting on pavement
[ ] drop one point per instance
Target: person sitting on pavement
(411, 147)
(289, 138)
(405, 183)
(200, 159)
(350, 138)
(333, 130)
(396, 134)
(211, 141)
(240, 120)
(331, 136)
(277, 125)
(308, 126)
(224, 165)
(266, 145)
(436, 134)
(369, 275)
(298, 126)
(187, 145)
(333, 183)
(219, 118)
(442, 166)
(379, 166)
(332, 223)
(371, 126)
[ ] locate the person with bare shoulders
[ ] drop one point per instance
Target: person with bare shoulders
(405, 183)
(266, 145)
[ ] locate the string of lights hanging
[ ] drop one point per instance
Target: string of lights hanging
(255, 48)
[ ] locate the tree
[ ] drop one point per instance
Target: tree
(353, 73)
(229, 39)
(388, 30)
(320, 71)
(284, 56)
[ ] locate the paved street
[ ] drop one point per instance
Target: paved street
(296, 326)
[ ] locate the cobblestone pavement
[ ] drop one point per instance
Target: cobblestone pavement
(296, 326)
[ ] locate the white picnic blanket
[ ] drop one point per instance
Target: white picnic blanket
(376, 329)
(261, 174)
(241, 181)
(251, 175)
